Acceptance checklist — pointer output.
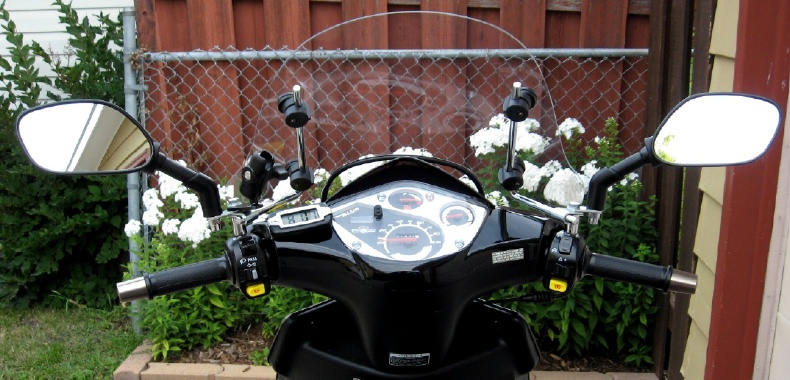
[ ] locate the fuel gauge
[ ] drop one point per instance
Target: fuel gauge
(405, 199)
(457, 215)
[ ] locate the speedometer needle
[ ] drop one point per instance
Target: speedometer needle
(400, 240)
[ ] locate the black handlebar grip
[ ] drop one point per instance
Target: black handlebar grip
(188, 276)
(175, 279)
(664, 278)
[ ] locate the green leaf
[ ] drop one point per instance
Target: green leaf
(213, 289)
(579, 328)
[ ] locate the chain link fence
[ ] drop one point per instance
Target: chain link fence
(214, 108)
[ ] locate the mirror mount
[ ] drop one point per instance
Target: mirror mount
(606, 177)
(206, 189)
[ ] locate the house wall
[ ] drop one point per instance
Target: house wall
(38, 21)
(777, 311)
(723, 42)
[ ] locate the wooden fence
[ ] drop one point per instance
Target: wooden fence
(215, 108)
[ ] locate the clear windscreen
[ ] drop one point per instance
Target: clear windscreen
(434, 94)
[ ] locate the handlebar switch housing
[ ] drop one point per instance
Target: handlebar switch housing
(562, 263)
(249, 265)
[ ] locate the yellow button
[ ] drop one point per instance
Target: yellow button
(558, 285)
(256, 290)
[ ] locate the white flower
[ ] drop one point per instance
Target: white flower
(282, 190)
(132, 228)
(550, 168)
(569, 127)
(320, 175)
(409, 151)
(226, 192)
(170, 226)
(496, 135)
(486, 140)
(588, 171)
(497, 198)
(188, 200)
(169, 185)
(530, 142)
(629, 178)
(151, 217)
(565, 187)
(353, 173)
(465, 179)
(194, 229)
(151, 200)
(532, 176)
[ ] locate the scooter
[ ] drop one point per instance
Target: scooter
(405, 251)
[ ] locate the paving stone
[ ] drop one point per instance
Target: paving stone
(180, 371)
(546, 375)
(235, 371)
(633, 376)
(135, 363)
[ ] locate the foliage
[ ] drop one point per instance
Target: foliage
(58, 233)
(178, 234)
(76, 342)
(598, 315)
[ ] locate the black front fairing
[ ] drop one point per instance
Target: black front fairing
(411, 308)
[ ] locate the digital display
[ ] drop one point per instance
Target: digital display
(300, 217)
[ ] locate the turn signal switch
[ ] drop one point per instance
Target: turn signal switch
(249, 265)
(562, 263)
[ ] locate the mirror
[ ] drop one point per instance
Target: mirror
(717, 129)
(83, 137)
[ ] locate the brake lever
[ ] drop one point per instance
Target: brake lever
(240, 220)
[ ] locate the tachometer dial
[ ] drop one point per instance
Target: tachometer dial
(457, 215)
(410, 240)
(405, 199)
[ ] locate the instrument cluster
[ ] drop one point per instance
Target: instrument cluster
(408, 221)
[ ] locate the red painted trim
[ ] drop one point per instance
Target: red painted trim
(762, 67)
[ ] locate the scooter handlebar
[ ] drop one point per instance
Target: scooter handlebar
(664, 278)
(150, 285)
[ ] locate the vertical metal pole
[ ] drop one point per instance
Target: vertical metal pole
(132, 179)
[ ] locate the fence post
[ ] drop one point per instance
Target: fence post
(132, 179)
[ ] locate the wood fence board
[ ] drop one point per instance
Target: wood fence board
(446, 136)
(603, 23)
(525, 19)
(248, 21)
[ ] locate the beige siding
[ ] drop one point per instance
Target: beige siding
(38, 21)
(775, 318)
(723, 44)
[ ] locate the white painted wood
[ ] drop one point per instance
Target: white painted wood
(38, 20)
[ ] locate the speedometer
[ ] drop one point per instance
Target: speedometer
(410, 239)
(407, 221)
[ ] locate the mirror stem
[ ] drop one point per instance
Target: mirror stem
(606, 177)
(207, 190)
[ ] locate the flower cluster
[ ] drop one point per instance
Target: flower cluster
(351, 174)
(496, 135)
(178, 198)
(559, 181)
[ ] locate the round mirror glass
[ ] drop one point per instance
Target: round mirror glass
(83, 138)
(717, 129)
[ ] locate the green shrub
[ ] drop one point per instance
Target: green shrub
(598, 316)
(179, 235)
(58, 233)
